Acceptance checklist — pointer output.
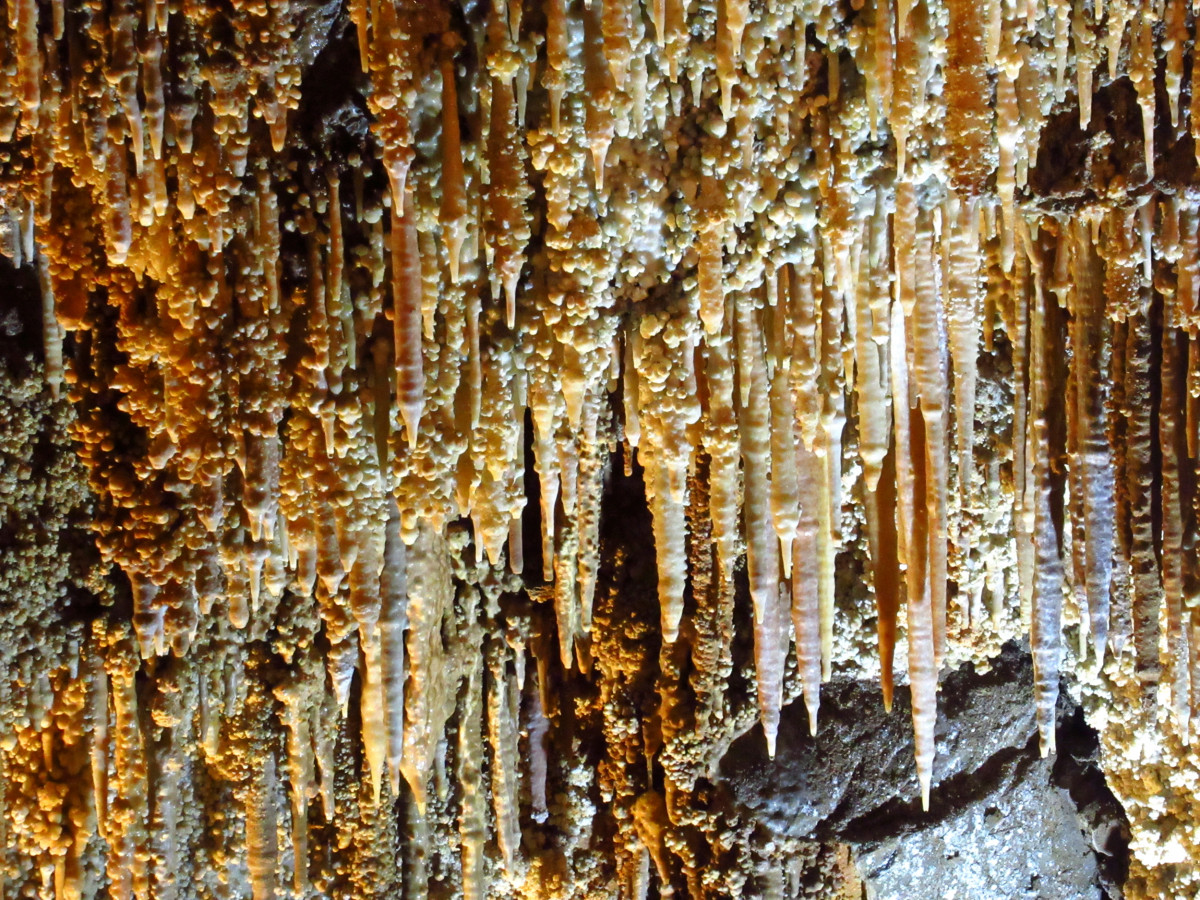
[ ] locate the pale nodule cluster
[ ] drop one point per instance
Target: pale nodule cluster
(808, 263)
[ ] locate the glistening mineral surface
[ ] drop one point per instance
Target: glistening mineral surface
(354, 314)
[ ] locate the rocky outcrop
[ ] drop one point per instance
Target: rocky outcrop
(1003, 820)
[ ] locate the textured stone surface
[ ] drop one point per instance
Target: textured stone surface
(1003, 822)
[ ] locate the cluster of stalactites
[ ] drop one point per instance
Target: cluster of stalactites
(730, 272)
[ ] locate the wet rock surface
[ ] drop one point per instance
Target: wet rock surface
(1003, 822)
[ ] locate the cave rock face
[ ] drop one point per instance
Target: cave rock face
(450, 447)
(1006, 822)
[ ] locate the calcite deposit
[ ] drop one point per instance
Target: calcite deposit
(381, 341)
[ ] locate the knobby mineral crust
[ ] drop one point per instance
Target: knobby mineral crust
(463, 432)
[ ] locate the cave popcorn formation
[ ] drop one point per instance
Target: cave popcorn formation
(810, 265)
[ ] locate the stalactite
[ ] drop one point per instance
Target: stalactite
(1046, 631)
(406, 314)
(1094, 455)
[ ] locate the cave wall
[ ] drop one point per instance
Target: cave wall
(448, 446)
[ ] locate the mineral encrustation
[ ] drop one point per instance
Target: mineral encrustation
(457, 422)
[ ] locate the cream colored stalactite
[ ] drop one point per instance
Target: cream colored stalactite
(841, 221)
(588, 511)
(325, 715)
(1062, 47)
(147, 615)
(260, 493)
(968, 100)
(359, 13)
(599, 121)
(1017, 328)
(554, 77)
(1125, 288)
(872, 342)
(300, 774)
(1194, 106)
(904, 242)
(669, 407)
(453, 216)
(1097, 505)
(262, 844)
(341, 662)
(639, 880)
(1087, 58)
(539, 762)
(1192, 421)
(656, 10)
(616, 27)
(150, 49)
(472, 817)
(544, 404)
(710, 274)
(731, 25)
(805, 366)
(503, 707)
(806, 603)
(393, 621)
(911, 514)
(1174, 45)
(52, 333)
(430, 688)
(330, 572)
(1046, 631)
(507, 193)
(994, 30)
(829, 449)
(1008, 135)
(669, 537)
(372, 700)
(785, 499)
(407, 318)
(632, 429)
(745, 343)
(677, 37)
(126, 836)
(880, 65)
(1142, 65)
(869, 355)
(23, 19)
(721, 444)
(392, 63)
(882, 540)
(1173, 456)
(927, 330)
(498, 499)
(909, 75)
(1187, 272)
(337, 292)
(98, 747)
(566, 582)
(963, 311)
(762, 543)
(1073, 515)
